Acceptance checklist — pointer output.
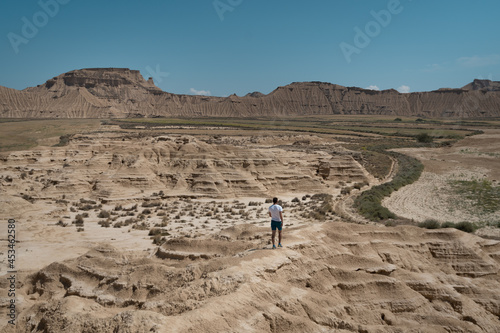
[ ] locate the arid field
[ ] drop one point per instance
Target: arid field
(161, 224)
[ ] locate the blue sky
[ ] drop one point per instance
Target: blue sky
(238, 46)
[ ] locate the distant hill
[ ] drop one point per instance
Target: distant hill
(121, 93)
(483, 85)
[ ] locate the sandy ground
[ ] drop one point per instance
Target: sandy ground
(214, 270)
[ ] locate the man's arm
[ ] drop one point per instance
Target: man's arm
(281, 217)
(270, 214)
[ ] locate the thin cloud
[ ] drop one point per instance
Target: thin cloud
(433, 68)
(372, 87)
(477, 61)
(200, 92)
(404, 89)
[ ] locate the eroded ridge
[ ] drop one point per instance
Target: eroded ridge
(330, 276)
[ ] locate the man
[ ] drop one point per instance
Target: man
(276, 214)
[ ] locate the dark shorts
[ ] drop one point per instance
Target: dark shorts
(275, 225)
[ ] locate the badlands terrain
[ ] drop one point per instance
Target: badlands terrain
(160, 225)
(124, 93)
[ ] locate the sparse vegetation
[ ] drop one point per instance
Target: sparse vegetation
(369, 203)
(64, 140)
(482, 194)
(430, 224)
(463, 226)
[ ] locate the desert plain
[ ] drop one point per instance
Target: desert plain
(154, 225)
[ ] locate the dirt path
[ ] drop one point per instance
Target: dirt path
(345, 206)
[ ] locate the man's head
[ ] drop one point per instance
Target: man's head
(275, 200)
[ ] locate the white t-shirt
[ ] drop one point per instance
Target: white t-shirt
(275, 212)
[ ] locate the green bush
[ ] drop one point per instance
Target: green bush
(424, 138)
(448, 225)
(104, 214)
(463, 226)
(466, 226)
(430, 224)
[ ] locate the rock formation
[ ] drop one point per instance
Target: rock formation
(120, 93)
(108, 165)
(330, 277)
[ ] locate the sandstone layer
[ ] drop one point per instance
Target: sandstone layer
(329, 277)
(120, 93)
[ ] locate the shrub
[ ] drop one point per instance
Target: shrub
(142, 226)
(61, 223)
(424, 138)
(91, 202)
(448, 225)
(321, 196)
(466, 226)
(430, 224)
(64, 140)
(346, 190)
(360, 185)
(104, 224)
(78, 220)
(155, 231)
(147, 204)
(398, 119)
(130, 221)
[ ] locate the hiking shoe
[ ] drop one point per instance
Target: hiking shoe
(279, 245)
(274, 247)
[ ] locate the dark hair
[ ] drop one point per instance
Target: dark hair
(275, 200)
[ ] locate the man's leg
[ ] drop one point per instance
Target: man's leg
(273, 235)
(279, 236)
